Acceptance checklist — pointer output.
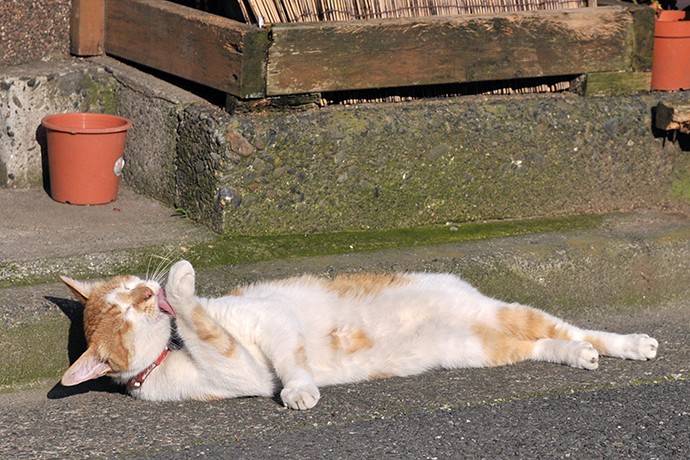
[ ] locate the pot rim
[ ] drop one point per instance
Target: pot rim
(86, 123)
(672, 15)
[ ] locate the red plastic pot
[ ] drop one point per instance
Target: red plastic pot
(85, 156)
(671, 57)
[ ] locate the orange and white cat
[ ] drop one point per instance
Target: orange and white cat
(300, 333)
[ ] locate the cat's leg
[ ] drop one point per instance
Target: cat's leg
(585, 353)
(574, 353)
(198, 330)
(627, 346)
(283, 344)
(559, 341)
(501, 348)
(299, 388)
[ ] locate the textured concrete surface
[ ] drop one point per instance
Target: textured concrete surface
(32, 31)
(623, 410)
(41, 238)
(30, 92)
(402, 165)
(154, 107)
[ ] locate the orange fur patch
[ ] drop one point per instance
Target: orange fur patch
(141, 297)
(518, 330)
(503, 348)
(364, 284)
(597, 344)
(236, 292)
(301, 357)
(210, 332)
(350, 342)
(529, 324)
(381, 376)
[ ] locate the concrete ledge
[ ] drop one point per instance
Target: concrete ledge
(154, 107)
(379, 166)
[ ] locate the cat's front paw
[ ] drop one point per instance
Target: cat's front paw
(180, 286)
(642, 347)
(300, 395)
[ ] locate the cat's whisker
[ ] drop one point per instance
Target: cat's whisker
(163, 265)
(148, 267)
(161, 269)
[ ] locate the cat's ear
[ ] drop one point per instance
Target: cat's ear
(80, 289)
(89, 366)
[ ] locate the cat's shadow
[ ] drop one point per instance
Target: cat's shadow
(76, 345)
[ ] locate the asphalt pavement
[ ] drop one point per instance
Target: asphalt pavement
(625, 409)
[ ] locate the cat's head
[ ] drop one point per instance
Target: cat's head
(127, 323)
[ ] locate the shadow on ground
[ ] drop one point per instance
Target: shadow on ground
(76, 345)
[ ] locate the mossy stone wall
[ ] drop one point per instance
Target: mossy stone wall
(408, 164)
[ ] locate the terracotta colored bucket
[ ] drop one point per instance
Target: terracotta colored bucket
(85, 156)
(671, 57)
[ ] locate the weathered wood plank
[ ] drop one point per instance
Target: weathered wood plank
(201, 47)
(643, 32)
(317, 57)
(86, 28)
(617, 83)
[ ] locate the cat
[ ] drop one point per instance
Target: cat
(300, 333)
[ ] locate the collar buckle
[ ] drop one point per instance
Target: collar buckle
(136, 382)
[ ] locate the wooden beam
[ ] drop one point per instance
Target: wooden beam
(323, 56)
(208, 49)
(617, 83)
(87, 23)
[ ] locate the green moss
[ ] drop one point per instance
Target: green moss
(3, 175)
(680, 181)
(243, 249)
(102, 95)
(680, 188)
(33, 351)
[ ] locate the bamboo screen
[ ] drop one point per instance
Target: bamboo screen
(281, 11)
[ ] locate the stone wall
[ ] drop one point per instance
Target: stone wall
(427, 162)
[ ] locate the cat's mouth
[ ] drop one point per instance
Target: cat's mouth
(163, 303)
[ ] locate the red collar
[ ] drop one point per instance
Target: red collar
(137, 381)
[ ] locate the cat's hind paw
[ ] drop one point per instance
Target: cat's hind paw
(586, 356)
(642, 347)
(300, 395)
(180, 285)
